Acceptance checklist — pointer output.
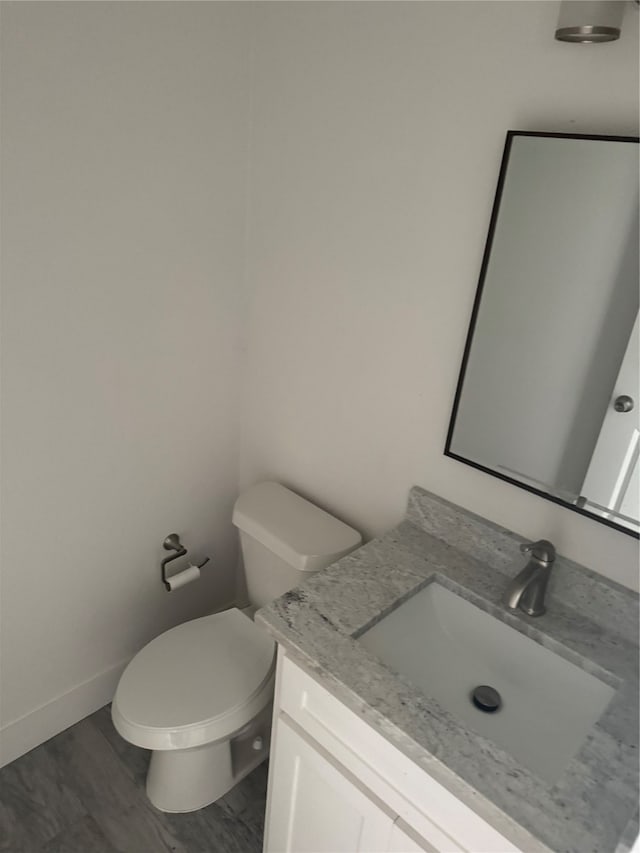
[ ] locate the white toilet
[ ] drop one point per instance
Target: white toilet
(199, 696)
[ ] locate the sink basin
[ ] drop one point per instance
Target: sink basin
(447, 646)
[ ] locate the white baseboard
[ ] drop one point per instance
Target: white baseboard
(43, 723)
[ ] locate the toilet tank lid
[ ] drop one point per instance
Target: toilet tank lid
(297, 531)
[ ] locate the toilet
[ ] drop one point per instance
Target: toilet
(200, 695)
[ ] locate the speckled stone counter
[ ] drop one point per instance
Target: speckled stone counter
(590, 621)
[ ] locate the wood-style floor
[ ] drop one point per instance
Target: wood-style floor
(83, 792)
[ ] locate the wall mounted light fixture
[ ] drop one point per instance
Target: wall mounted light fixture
(590, 21)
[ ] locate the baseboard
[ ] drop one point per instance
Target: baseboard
(37, 726)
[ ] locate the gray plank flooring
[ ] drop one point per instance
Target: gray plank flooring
(83, 792)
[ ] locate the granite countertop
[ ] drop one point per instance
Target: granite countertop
(593, 806)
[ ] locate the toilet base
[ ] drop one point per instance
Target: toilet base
(185, 780)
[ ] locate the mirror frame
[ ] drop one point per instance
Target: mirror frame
(511, 134)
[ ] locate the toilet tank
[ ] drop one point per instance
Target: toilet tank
(285, 537)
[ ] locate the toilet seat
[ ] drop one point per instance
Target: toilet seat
(195, 684)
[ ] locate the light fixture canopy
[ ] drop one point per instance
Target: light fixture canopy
(590, 21)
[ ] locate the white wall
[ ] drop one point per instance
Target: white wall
(378, 131)
(124, 167)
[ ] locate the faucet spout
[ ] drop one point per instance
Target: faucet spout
(527, 590)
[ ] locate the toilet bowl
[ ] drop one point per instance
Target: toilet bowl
(195, 696)
(199, 696)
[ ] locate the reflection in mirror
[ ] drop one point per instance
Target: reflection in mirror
(548, 391)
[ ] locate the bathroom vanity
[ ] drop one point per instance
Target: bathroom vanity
(338, 785)
(367, 757)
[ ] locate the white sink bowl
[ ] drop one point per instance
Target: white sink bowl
(447, 646)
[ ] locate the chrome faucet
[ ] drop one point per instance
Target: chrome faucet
(526, 591)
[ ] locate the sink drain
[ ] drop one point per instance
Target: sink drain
(486, 699)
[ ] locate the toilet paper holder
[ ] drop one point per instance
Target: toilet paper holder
(172, 543)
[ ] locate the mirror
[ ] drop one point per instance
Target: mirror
(547, 396)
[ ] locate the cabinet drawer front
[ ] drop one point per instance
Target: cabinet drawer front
(421, 802)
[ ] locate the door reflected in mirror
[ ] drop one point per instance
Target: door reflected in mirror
(548, 389)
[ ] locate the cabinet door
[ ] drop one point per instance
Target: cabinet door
(404, 840)
(314, 807)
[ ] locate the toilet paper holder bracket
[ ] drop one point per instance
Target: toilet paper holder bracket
(172, 543)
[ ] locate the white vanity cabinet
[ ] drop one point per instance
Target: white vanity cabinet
(316, 805)
(337, 786)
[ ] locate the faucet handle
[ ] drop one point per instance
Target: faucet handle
(542, 550)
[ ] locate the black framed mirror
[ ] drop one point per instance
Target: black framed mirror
(547, 396)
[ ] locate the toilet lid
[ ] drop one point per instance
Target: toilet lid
(196, 676)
